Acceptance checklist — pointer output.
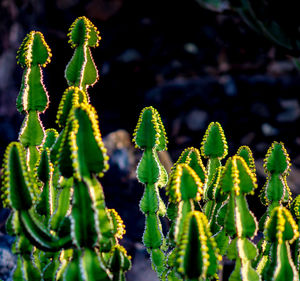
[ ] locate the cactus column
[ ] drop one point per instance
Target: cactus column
(240, 224)
(150, 136)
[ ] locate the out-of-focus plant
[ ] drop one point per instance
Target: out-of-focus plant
(275, 20)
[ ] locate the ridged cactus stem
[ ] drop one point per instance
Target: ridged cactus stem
(295, 210)
(214, 148)
(39, 236)
(150, 136)
(237, 180)
(276, 191)
(24, 250)
(81, 71)
(33, 54)
(212, 166)
(196, 255)
(82, 157)
(153, 237)
(184, 190)
(280, 230)
(215, 198)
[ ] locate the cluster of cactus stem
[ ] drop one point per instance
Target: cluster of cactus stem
(208, 212)
(64, 231)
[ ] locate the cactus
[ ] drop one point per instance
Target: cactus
(227, 222)
(33, 54)
(274, 193)
(280, 230)
(240, 224)
(190, 157)
(197, 255)
(150, 136)
(81, 71)
(276, 190)
(50, 180)
(295, 211)
(214, 148)
(185, 189)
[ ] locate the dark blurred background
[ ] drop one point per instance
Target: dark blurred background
(195, 66)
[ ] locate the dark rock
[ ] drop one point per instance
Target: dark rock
(7, 259)
(291, 110)
(141, 269)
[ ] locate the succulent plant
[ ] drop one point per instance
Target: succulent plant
(51, 181)
(150, 136)
(197, 255)
(280, 230)
(237, 180)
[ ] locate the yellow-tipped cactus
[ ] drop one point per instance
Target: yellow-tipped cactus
(280, 230)
(214, 148)
(197, 255)
(150, 136)
(81, 71)
(276, 191)
(50, 180)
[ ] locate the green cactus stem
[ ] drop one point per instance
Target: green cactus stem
(214, 148)
(47, 204)
(245, 152)
(82, 152)
(197, 255)
(23, 249)
(276, 190)
(72, 97)
(150, 136)
(215, 201)
(33, 54)
(274, 193)
(191, 157)
(280, 230)
(17, 187)
(83, 231)
(184, 188)
(295, 209)
(237, 180)
(81, 71)
(119, 262)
